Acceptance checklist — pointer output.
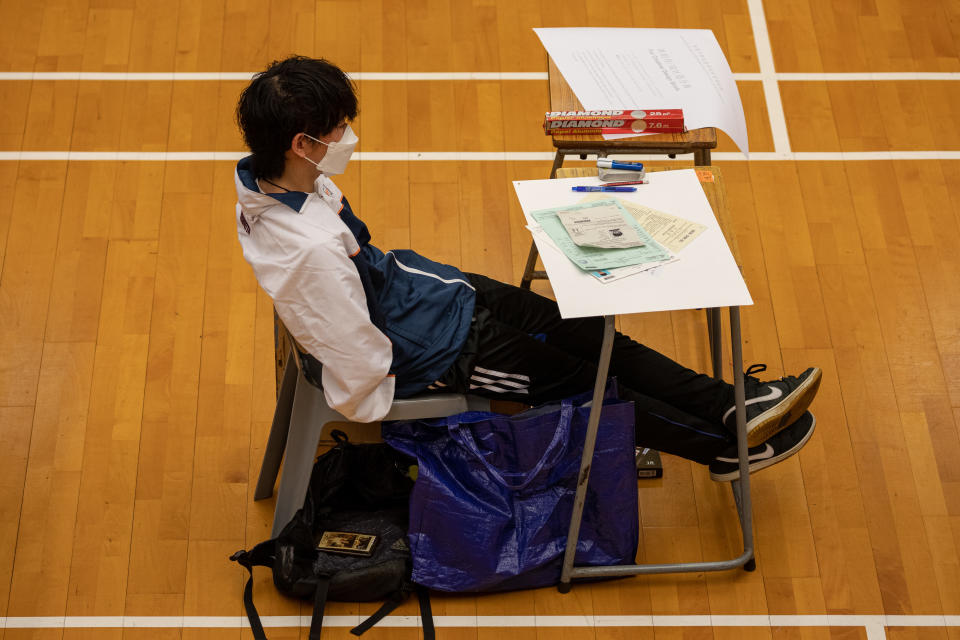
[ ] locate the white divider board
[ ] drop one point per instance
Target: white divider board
(706, 275)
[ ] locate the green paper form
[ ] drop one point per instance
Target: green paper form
(592, 259)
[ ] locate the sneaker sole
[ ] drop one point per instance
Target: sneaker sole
(763, 464)
(786, 412)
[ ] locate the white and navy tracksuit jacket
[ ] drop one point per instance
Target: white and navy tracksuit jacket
(382, 324)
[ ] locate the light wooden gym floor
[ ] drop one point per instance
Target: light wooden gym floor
(136, 352)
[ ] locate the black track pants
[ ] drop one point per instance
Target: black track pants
(519, 348)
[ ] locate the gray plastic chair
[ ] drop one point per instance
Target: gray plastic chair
(299, 419)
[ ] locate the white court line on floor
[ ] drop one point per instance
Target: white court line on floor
(220, 76)
(463, 156)
(877, 76)
(771, 89)
(874, 624)
(875, 632)
(872, 76)
(402, 76)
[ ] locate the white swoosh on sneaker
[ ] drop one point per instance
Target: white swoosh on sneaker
(763, 455)
(773, 395)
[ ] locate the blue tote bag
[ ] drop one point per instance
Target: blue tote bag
(491, 507)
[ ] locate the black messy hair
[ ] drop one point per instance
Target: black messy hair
(291, 96)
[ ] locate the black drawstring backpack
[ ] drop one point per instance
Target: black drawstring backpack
(359, 489)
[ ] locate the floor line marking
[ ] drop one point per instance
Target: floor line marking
(868, 76)
(916, 621)
(876, 632)
(245, 76)
(402, 76)
(463, 156)
(771, 89)
(874, 624)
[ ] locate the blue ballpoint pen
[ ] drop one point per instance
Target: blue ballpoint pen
(604, 163)
(604, 188)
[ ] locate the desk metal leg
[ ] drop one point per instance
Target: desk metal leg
(557, 163)
(741, 488)
(586, 461)
(714, 327)
(529, 271)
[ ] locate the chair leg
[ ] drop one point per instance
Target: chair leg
(476, 403)
(309, 416)
(277, 440)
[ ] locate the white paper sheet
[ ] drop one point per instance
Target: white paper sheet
(604, 227)
(671, 231)
(650, 69)
(706, 276)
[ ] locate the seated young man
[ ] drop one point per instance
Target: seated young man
(379, 325)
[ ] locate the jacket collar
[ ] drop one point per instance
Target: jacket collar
(253, 201)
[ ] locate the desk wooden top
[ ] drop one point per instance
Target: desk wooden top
(711, 179)
(562, 98)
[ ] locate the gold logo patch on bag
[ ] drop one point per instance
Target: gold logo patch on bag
(357, 544)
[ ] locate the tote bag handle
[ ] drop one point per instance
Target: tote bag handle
(550, 456)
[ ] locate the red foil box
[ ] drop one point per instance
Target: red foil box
(614, 121)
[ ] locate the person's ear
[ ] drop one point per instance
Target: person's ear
(299, 144)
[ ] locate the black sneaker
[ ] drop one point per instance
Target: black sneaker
(726, 467)
(773, 405)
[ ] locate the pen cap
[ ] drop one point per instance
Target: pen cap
(607, 163)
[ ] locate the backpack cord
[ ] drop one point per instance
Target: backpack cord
(391, 603)
(394, 601)
(426, 613)
(319, 603)
(252, 614)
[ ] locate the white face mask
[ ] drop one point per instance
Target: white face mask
(338, 153)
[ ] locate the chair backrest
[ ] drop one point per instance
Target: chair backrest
(287, 342)
(289, 347)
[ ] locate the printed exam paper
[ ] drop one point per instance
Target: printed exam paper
(650, 69)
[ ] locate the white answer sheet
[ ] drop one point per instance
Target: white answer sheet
(616, 68)
(705, 275)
